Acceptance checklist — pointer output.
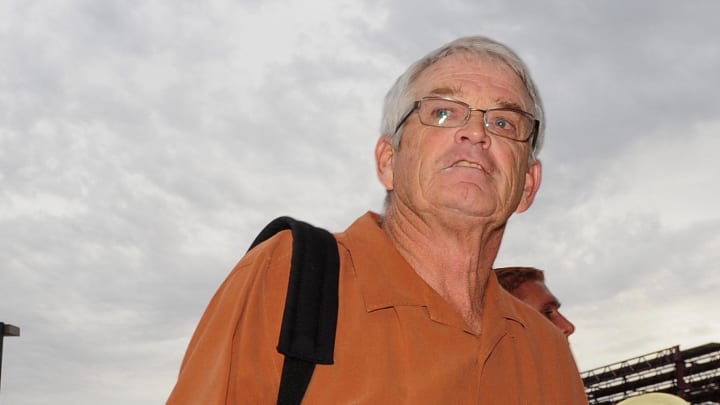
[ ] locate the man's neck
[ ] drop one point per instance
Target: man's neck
(454, 259)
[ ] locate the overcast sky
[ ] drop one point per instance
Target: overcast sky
(143, 144)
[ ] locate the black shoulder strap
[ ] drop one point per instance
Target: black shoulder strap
(307, 334)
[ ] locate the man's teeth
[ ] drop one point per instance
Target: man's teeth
(465, 163)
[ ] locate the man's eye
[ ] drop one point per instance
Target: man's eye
(503, 123)
(442, 114)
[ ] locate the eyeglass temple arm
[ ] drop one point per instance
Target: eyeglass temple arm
(535, 132)
(406, 115)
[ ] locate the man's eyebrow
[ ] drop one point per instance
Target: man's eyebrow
(454, 91)
(554, 303)
(446, 91)
(509, 104)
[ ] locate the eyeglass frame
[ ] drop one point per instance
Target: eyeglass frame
(416, 104)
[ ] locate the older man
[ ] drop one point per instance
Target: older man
(420, 319)
(528, 285)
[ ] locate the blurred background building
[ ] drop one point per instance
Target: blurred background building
(6, 330)
(692, 374)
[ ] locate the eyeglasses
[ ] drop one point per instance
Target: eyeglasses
(510, 123)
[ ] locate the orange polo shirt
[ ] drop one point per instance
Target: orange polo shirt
(398, 341)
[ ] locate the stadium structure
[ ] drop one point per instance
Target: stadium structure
(692, 374)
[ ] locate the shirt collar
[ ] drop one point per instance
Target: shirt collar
(387, 280)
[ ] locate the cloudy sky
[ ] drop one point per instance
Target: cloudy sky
(143, 144)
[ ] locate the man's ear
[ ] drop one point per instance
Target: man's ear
(532, 184)
(384, 156)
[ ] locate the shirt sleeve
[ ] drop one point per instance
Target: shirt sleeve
(232, 356)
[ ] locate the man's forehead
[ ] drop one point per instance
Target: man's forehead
(445, 78)
(550, 300)
(467, 64)
(538, 292)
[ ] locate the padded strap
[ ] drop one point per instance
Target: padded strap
(307, 334)
(296, 375)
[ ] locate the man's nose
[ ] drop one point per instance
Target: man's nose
(474, 131)
(565, 325)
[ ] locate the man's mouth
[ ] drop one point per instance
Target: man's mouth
(465, 163)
